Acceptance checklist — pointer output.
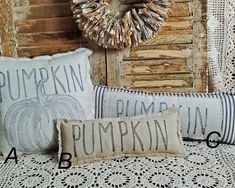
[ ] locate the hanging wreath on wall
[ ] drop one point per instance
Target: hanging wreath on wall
(120, 23)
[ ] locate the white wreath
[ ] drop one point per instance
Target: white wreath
(120, 24)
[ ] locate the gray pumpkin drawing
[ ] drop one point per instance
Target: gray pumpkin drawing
(29, 123)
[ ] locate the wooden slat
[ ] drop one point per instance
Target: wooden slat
(179, 19)
(199, 53)
(43, 11)
(179, 25)
(114, 59)
(182, 1)
(56, 38)
(181, 10)
(156, 80)
(7, 30)
(46, 25)
(159, 54)
(155, 66)
(40, 2)
(175, 32)
(166, 89)
(162, 83)
(173, 38)
(46, 50)
(162, 47)
(20, 3)
(98, 64)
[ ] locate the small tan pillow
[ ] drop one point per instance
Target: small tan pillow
(144, 135)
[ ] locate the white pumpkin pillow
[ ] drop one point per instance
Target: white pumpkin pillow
(35, 92)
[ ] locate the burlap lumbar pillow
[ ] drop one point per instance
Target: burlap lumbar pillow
(91, 140)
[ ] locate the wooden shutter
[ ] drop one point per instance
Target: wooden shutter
(174, 61)
(37, 27)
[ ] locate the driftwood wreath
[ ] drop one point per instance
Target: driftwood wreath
(120, 23)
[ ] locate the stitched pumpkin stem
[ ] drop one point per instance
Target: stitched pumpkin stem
(41, 96)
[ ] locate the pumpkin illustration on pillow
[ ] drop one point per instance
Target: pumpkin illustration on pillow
(29, 124)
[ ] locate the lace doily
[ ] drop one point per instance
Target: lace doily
(202, 167)
(221, 39)
(229, 47)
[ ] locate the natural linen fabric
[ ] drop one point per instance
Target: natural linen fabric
(97, 139)
(201, 113)
(221, 44)
(35, 92)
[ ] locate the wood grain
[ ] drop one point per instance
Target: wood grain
(173, 61)
(21, 3)
(160, 66)
(7, 30)
(43, 11)
(159, 54)
(46, 25)
(171, 38)
(158, 80)
(181, 9)
(49, 38)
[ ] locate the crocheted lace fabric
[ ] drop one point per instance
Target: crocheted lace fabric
(229, 47)
(221, 48)
(202, 167)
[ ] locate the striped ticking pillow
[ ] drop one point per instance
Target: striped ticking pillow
(201, 113)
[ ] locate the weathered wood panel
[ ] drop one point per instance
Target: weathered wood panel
(174, 60)
(20, 3)
(7, 30)
(171, 37)
(181, 9)
(48, 50)
(43, 11)
(159, 66)
(160, 53)
(158, 80)
(45, 27)
(178, 25)
(50, 38)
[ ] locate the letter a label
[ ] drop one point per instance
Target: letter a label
(13, 150)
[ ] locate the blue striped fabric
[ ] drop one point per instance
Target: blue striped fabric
(228, 117)
(201, 113)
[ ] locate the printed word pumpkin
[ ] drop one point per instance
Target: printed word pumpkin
(29, 123)
(120, 23)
